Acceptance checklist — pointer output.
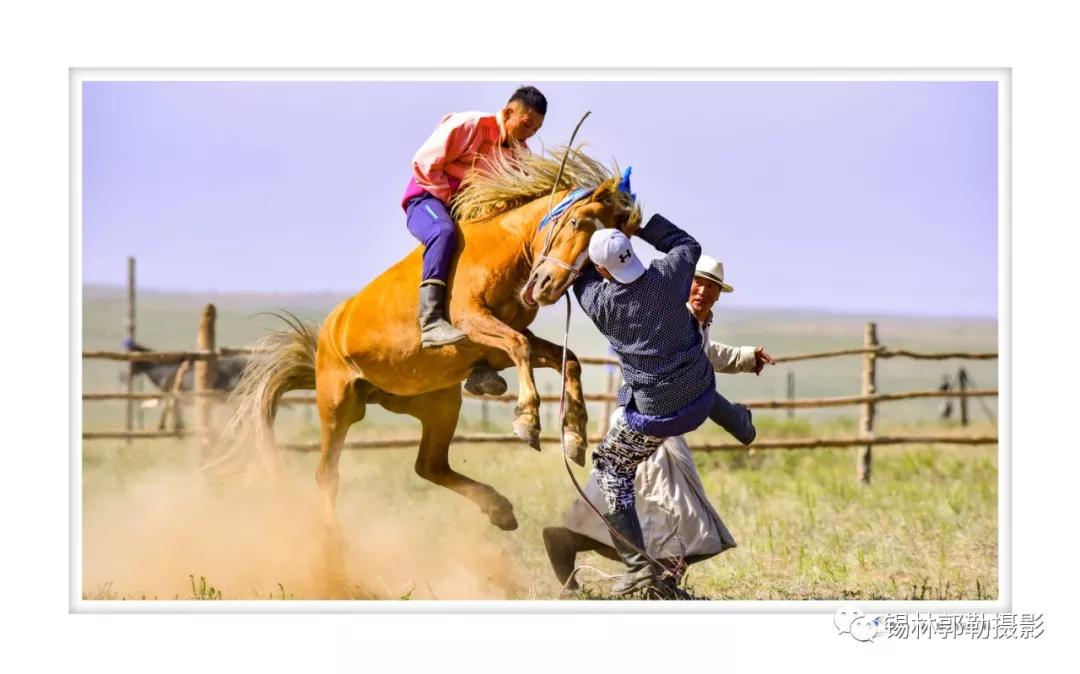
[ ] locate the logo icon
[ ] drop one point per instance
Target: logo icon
(624, 256)
(850, 620)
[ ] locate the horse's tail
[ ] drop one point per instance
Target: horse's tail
(282, 361)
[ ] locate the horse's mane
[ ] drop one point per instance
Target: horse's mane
(510, 179)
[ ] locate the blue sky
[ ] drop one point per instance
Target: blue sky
(844, 196)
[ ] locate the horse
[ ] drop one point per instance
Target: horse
(226, 375)
(163, 375)
(367, 350)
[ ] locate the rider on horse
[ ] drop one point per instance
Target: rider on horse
(458, 142)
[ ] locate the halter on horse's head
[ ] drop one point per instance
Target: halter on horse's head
(561, 244)
(558, 248)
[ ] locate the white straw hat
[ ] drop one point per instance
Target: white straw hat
(713, 270)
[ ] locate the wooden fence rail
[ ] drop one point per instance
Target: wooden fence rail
(553, 440)
(132, 435)
(205, 360)
(598, 397)
(178, 356)
(774, 443)
(148, 356)
(945, 355)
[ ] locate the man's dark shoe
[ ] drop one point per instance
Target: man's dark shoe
(641, 573)
(735, 418)
(752, 430)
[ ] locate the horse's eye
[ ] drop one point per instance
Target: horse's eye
(574, 223)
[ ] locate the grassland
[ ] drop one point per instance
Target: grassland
(925, 528)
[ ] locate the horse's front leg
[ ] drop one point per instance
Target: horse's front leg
(486, 330)
(575, 423)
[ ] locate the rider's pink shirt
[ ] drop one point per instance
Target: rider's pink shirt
(457, 142)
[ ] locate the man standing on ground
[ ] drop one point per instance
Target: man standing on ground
(678, 522)
(669, 387)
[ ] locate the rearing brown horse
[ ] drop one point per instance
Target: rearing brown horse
(368, 348)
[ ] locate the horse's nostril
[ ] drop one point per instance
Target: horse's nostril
(545, 283)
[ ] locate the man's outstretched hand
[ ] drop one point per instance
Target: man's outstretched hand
(761, 359)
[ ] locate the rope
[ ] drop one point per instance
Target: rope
(562, 369)
(558, 176)
(584, 567)
(555, 211)
(566, 459)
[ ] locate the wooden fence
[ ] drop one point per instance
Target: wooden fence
(205, 399)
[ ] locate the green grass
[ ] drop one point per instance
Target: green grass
(925, 528)
(203, 591)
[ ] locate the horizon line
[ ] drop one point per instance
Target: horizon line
(346, 294)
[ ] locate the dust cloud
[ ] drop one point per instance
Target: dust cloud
(147, 532)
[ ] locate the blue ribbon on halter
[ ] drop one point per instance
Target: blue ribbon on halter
(570, 199)
(624, 183)
(578, 194)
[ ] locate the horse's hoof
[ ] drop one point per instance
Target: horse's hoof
(575, 447)
(497, 387)
(485, 382)
(528, 433)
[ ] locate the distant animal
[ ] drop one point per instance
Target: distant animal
(228, 371)
(511, 260)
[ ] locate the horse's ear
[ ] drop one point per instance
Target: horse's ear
(625, 217)
(606, 193)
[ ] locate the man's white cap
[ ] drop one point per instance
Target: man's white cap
(610, 249)
(711, 269)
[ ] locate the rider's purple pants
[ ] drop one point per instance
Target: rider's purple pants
(428, 220)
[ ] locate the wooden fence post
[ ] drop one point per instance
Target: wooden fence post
(962, 383)
(129, 415)
(791, 393)
(611, 388)
(549, 410)
(866, 416)
(205, 372)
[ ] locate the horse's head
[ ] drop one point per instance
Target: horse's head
(561, 249)
(137, 366)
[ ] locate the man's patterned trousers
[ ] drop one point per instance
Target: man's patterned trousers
(615, 461)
